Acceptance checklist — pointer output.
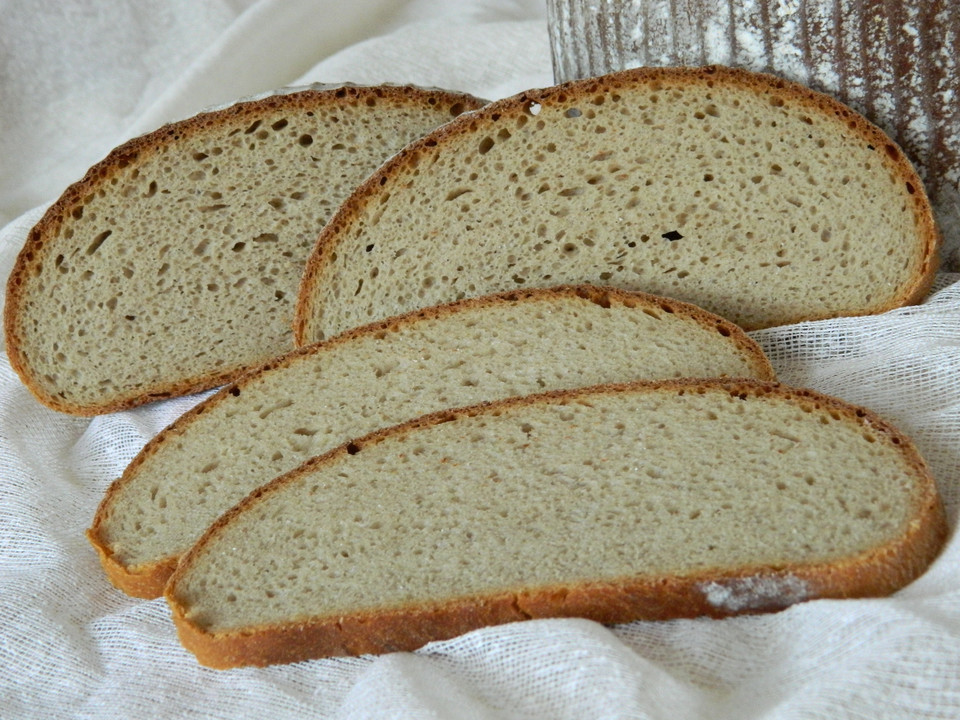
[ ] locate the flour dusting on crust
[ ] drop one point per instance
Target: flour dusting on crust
(756, 592)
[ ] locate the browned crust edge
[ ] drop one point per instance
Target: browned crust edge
(145, 582)
(148, 580)
(397, 167)
(876, 572)
(46, 231)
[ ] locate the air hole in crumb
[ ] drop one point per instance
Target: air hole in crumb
(454, 194)
(98, 241)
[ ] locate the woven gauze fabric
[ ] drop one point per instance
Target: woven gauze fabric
(70, 643)
(73, 646)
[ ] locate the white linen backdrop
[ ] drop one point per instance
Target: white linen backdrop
(78, 77)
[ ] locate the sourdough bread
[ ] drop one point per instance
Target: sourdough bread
(310, 401)
(174, 263)
(750, 196)
(618, 503)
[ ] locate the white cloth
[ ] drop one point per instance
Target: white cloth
(79, 76)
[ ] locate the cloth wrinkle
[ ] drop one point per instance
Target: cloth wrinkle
(73, 646)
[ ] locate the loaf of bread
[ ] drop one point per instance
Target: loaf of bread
(617, 503)
(750, 196)
(174, 263)
(310, 401)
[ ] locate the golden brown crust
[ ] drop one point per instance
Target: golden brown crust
(433, 143)
(876, 572)
(136, 150)
(147, 581)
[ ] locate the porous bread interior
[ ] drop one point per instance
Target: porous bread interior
(658, 483)
(747, 199)
(491, 349)
(183, 261)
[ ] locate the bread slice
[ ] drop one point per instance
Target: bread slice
(618, 503)
(750, 196)
(310, 401)
(174, 263)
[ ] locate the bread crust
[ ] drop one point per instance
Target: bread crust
(875, 572)
(431, 145)
(148, 581)
(45, 233)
